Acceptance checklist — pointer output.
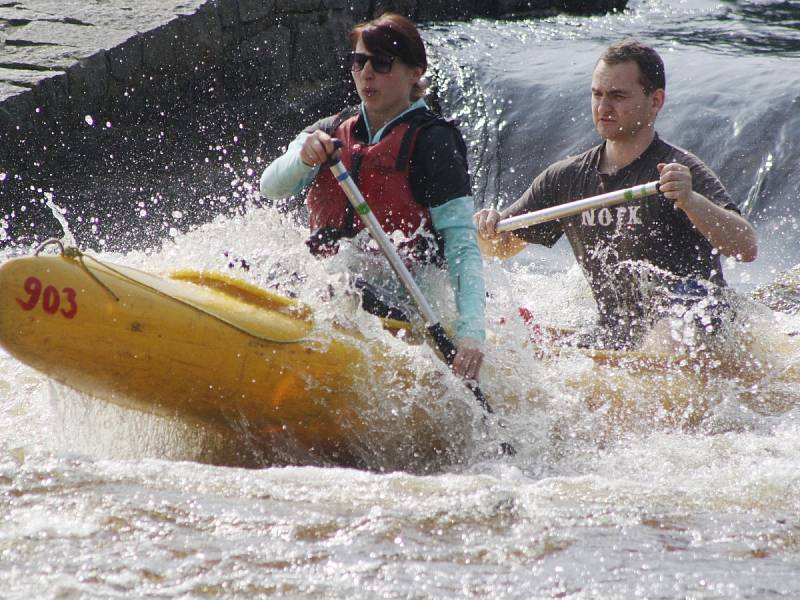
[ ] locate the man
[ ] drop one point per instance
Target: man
(646, 260)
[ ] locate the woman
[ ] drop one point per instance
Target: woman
(409, 164)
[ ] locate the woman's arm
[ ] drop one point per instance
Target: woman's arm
(440, 180)
(464, 265)
(287, 175)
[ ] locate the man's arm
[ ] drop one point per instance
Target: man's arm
(493, 243)
(725, 230)
(510, 243)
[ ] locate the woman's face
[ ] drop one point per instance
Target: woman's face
(385, 95)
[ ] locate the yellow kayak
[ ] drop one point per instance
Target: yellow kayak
(757, 369)
(208, 348)
(640, 390)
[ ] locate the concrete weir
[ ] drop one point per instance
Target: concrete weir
(64, 60)
(70, 70)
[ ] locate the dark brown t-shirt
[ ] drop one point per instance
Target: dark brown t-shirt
(626, 249)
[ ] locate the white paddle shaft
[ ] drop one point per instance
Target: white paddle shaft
(578, 206)
(368, 217)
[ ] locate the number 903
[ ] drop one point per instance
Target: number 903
(51, 298)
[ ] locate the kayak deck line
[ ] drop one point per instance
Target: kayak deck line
(246, 292)
(211, 290)
(222, 303)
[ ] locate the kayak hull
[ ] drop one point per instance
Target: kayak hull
(209, 349)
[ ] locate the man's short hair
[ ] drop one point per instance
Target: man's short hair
(651, 67)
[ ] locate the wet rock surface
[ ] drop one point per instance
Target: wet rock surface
(107, 104)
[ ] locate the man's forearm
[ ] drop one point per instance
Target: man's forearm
(727, 231)
(521, 206)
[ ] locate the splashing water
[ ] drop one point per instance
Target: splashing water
(636, 477)
(60, 214)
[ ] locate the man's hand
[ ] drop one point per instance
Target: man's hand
(469, 358)
(675, 183)
(492, 242)
(485, 221)
(725, 230)
(317, 149)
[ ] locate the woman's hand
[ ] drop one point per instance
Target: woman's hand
(318, 148)
(469, 358)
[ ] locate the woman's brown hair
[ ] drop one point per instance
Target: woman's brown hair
(392, 35)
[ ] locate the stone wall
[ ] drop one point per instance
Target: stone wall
(68, 68)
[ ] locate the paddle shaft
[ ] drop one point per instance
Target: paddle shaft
(433, 325)
(573, 208)
(368, 217)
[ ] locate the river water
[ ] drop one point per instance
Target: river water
(628, 482)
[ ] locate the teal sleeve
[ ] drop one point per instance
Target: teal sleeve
(287, 175)
(464, 264)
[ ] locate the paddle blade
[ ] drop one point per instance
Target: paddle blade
(448, 350)
(443, 342)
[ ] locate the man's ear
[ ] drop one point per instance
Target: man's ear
(657, 99)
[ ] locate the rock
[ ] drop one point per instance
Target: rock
(128, 62)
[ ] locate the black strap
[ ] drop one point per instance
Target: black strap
(349, 112)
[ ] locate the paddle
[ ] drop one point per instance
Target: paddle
(578, 206)
(443, 342)
(569, 209)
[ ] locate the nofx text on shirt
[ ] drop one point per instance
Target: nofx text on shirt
(625, 215)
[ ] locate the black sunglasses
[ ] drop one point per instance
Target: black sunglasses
(380, 63)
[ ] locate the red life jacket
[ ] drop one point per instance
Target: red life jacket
(381, 172)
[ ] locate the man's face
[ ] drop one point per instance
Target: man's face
(620, 108)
